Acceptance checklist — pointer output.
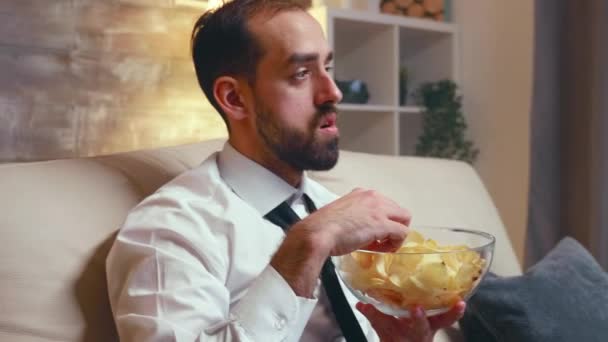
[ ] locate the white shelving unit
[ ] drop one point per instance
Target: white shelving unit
(372, 47)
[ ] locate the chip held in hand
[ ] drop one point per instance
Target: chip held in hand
(423, 271)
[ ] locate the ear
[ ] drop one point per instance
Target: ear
(229, 95)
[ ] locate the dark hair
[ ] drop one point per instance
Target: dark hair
(222, 44)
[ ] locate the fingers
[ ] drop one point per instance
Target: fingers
(365, 219)
(414, 328)
(392, 210)
(382, 246)
(376, 246)
(419, 323)
(395, 233)
(388, 239)
(390, 231)
(400, 215)
(387, 244)
(396, 213)
(384, 325)
(448, 318)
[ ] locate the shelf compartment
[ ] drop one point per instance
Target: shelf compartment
(428, 57)
(370, 132)
(367, 52)
(410, 128)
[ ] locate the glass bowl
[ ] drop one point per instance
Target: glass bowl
(435, 268)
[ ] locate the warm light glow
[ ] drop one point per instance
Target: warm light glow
(213, 4)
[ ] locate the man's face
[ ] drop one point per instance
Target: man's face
(294, 96)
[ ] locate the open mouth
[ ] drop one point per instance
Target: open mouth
(329, 121)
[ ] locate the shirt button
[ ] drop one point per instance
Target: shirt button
(280, 323)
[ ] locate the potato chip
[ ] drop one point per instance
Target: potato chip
(382, 264)
(432, 245)
(385, 295)
(413, 237)
(404, 264)
(396, 280)
(364, 259)
(452, 261)
(434, 275)
(349, 263)
(467, 274)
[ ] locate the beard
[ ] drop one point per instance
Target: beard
(302, 150)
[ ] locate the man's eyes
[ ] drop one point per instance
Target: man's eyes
(304, 73)
(301, 74)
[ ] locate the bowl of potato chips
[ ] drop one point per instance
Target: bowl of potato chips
(435, 267)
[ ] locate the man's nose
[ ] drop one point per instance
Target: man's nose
(327, 90)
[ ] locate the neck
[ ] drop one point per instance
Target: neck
(263, 156)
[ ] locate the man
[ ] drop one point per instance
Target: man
(203, 258)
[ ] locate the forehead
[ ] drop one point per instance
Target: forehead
(288, 32)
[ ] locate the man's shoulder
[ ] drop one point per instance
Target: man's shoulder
(200, 186)
(197, 205)
(201, 182)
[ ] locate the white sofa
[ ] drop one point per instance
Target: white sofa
(59, 218)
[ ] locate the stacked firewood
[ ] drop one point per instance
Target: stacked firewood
(433, 9)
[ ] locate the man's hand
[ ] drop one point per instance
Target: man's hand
(417, 328)
(362, 218)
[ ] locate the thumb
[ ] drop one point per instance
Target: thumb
(448, 318)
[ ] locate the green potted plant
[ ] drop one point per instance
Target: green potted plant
(444, 125)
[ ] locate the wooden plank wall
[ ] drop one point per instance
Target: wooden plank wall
(90, 77)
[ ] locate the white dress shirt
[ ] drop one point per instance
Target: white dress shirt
(191, 262)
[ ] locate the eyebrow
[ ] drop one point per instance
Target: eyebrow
(301, 58)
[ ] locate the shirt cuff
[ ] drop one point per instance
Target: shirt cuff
(270, 311)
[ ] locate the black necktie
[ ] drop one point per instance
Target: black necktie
(283, 216)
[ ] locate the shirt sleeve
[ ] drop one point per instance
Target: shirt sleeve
(169, 285)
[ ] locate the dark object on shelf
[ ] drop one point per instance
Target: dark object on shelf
(353, 91)
(444, 126)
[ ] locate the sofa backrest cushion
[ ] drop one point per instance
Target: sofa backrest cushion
(56, 227)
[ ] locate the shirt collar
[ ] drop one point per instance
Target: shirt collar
(255, 184)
